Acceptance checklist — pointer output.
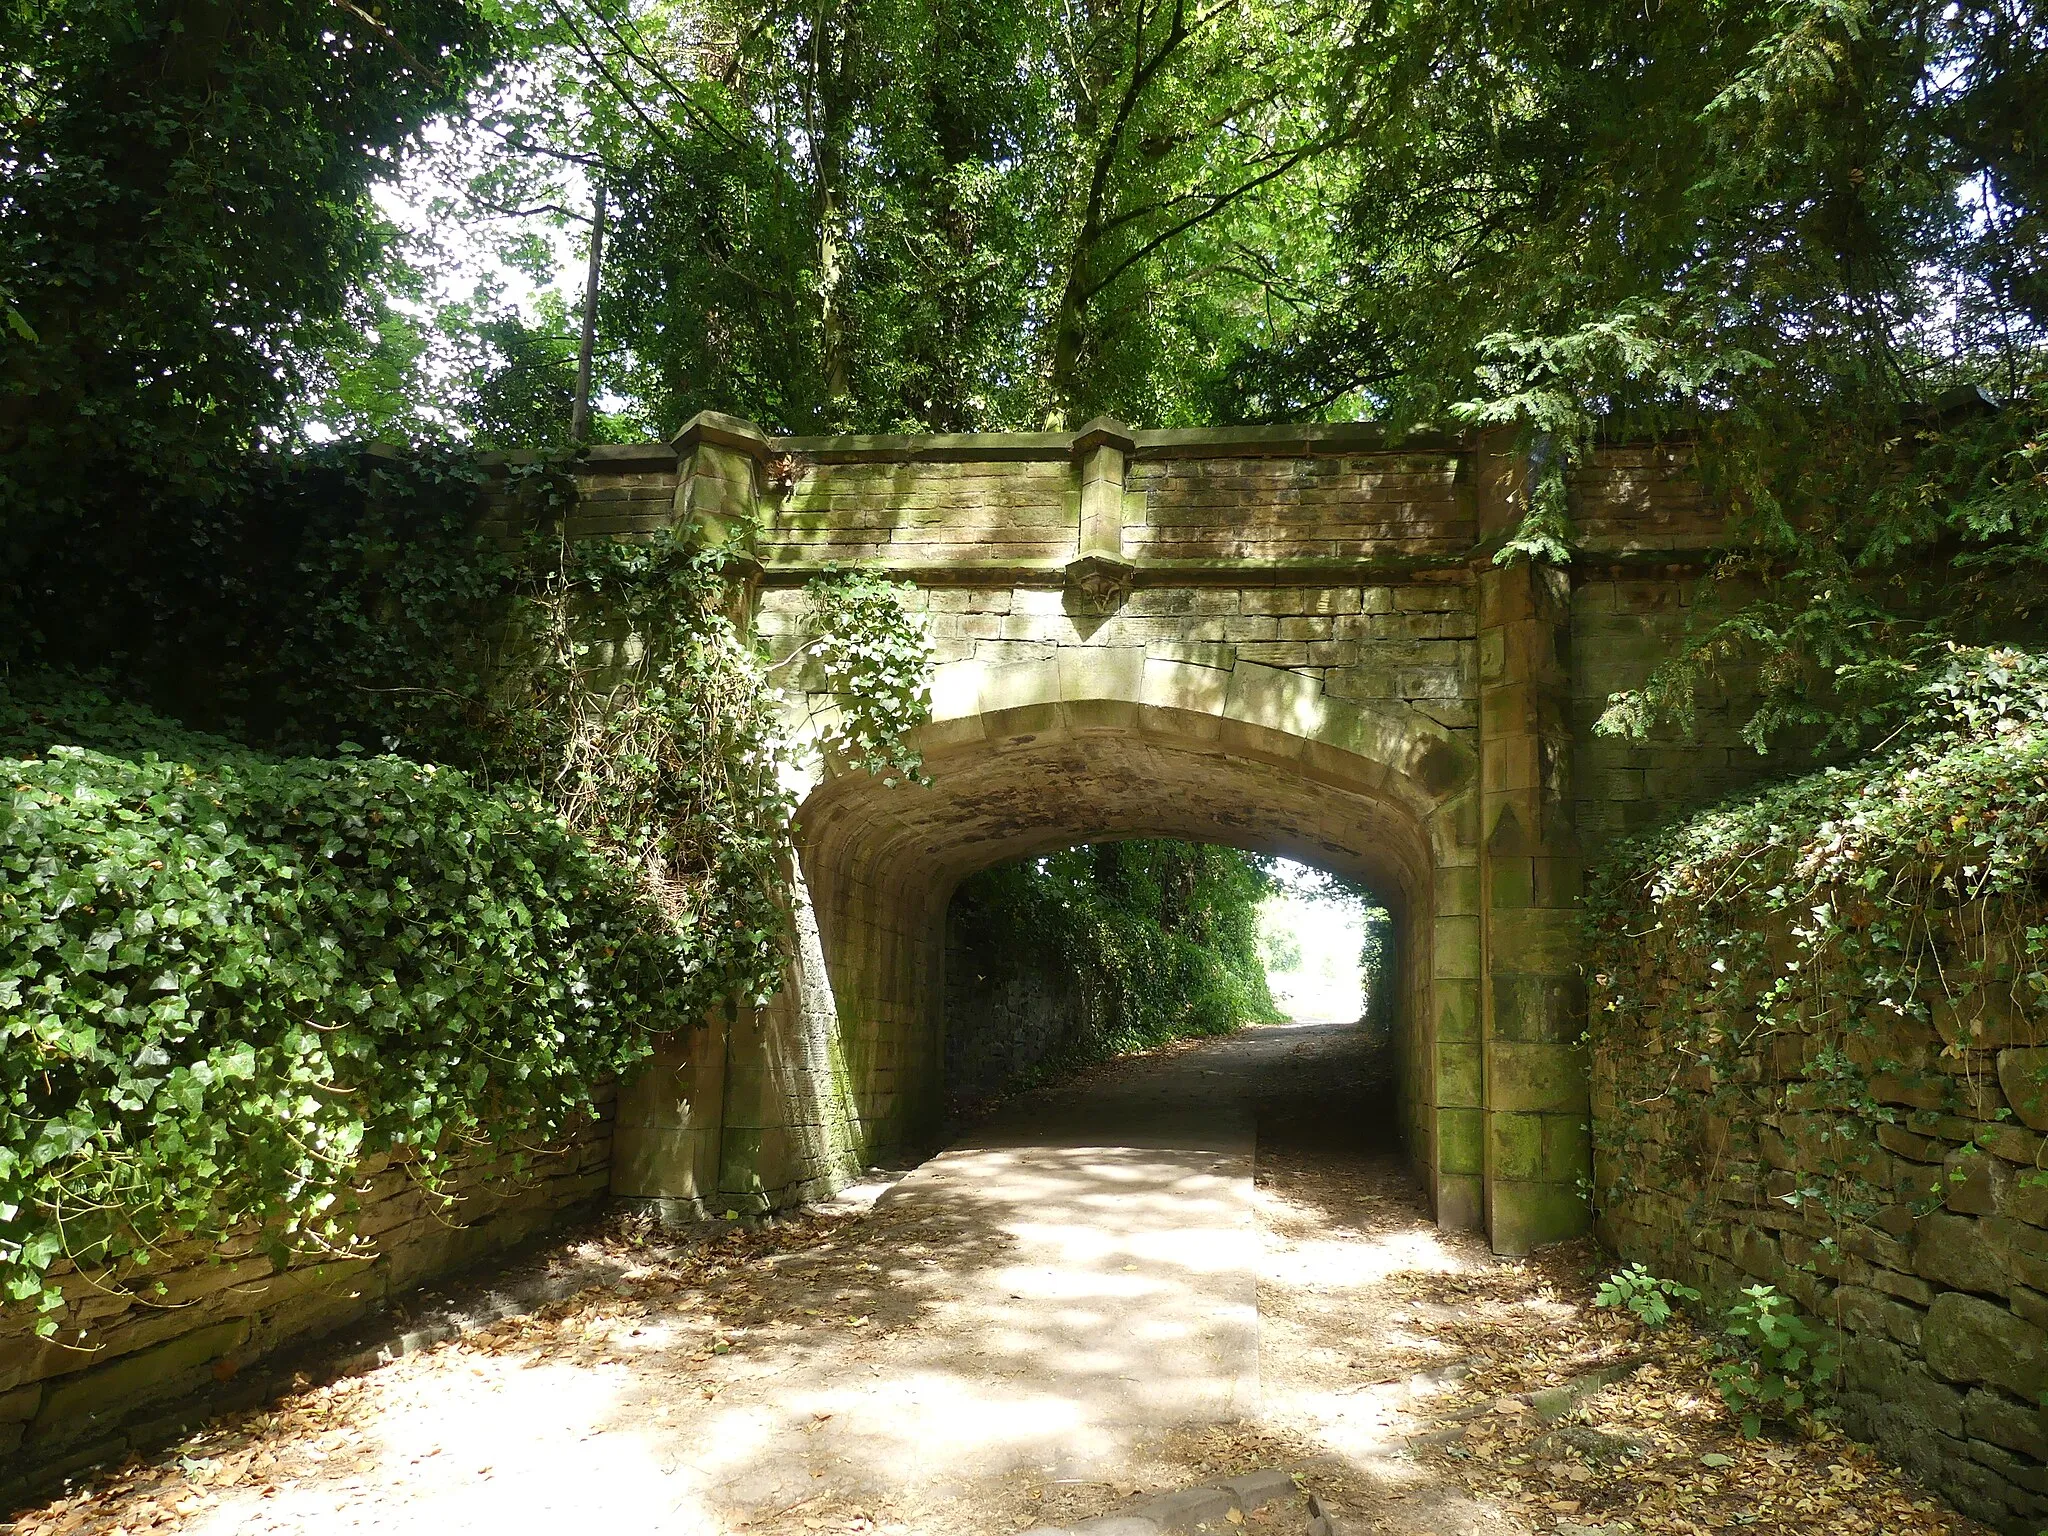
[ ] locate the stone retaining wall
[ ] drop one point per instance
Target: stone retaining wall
(127, 1371)
(1940, 1294)
(1002, 1020)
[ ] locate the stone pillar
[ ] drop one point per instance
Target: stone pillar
(1537, 1145)
(1098, 576)
(673, 1109)
(719, 459)
(1453, 1082)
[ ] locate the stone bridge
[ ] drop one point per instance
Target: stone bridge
(1289, 639)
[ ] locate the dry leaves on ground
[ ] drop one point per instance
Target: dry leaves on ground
(1583, 1419)
(710, 1290)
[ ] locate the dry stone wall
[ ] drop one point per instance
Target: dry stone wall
(1000, 1026)
(131, 1366)
(1937, 1276)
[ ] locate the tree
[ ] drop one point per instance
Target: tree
(1778, 231)
(183, 205)
(875, 214)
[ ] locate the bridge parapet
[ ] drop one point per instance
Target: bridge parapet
(1217, 504)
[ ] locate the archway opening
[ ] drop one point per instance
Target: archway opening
(1062, 960)
(881, 866)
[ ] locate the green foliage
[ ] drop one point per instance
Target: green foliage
(1774, 1364)
(365, 597)
(183, 206)
(875, 216)
(225, 981)
(643, 713)
(43, 709)
(323, 958)
(1784, 238)
(877, 662)
(1642, 1293)
(1810, 960)
(1159, 939)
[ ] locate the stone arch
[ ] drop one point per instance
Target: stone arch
(1123, 611)
(847, 1062)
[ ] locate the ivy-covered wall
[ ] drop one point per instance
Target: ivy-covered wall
(1819, 1019)
(279, 1037)
(289, 1023)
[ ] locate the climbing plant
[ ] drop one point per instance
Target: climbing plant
(226, 978)
(1775, 981)
(229, 967)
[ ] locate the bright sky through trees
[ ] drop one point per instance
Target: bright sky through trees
(1312, 936)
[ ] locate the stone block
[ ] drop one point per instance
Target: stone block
(1523, 1076)
(1275, 653)
(1985, 1018)
(1185, 685)
(1102, 672)
(2000, 1420)
(1457, 1004)
(73, 1405)
(1218, 655)
(1458, 1139)
(1977, 1185)
(2023, 1481)
(663, 1163)
(1861, 1310)
(1255, 1490)
(1454, 950)
(1458, 1074)
(2023, 1075)
(1276, 699)
(1970, 1340)
(1457, 892)
(1522, 1216)
(1020, 685)
(1964, 1252)
(1458, 1201)
(1546, 1009)
(1517, 1146)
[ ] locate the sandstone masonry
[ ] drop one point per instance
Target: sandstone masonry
(1290, 639)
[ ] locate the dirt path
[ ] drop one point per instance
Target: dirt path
(1092, 1297)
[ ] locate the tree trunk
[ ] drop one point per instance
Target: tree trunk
(832, 51)
(579, 412)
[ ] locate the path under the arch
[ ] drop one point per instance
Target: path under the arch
(1192, 1263)
(1045, 1317)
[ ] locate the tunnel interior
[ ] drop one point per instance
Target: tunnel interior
(881, 867)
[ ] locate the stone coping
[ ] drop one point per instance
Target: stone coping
(1291, 440)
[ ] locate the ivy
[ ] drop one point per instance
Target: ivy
(224, 983)
(871, 656)
(1824, 958)
(236, 961)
